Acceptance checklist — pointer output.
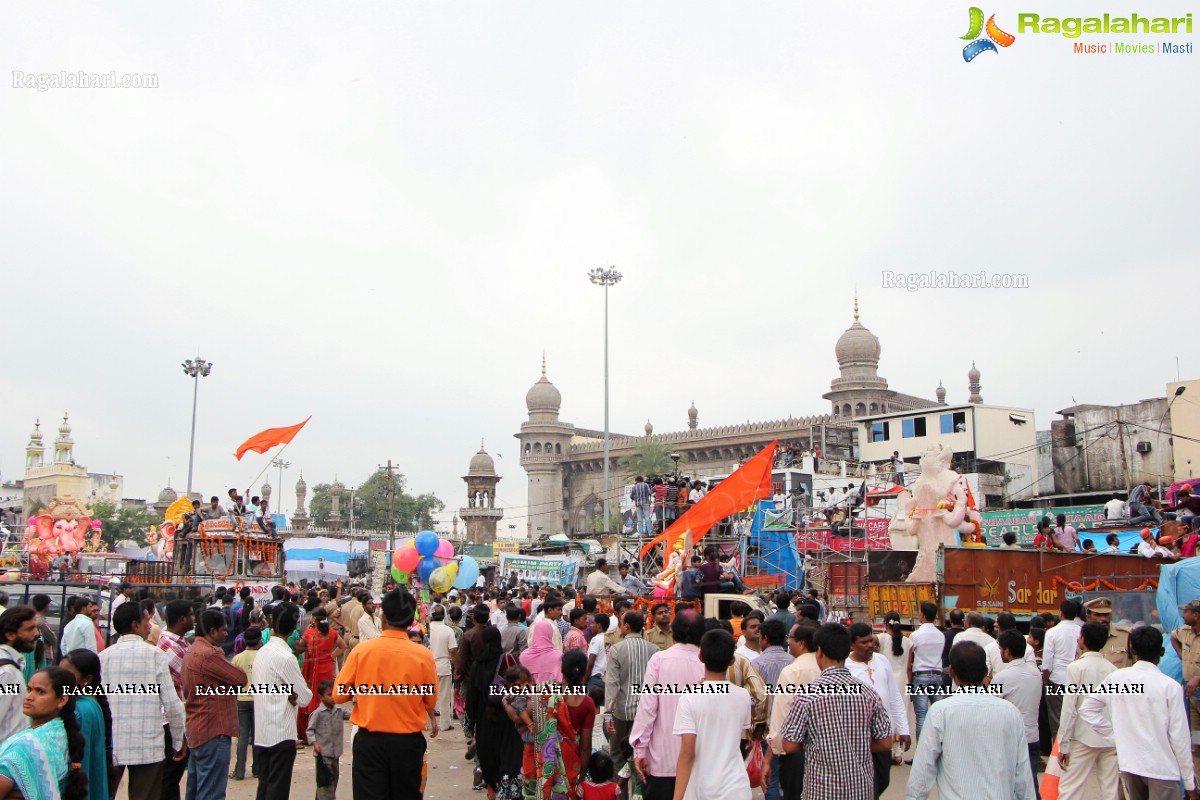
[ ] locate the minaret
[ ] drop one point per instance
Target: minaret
(35, 451)
(545, 445)
(649, 428)
(973, 384)
(941, 394)
(63, 445)
(693, 417)
(265, 492)
(335, 515)
(480, 513)
(299, 517)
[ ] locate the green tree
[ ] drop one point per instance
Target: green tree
(128, 522)
(410, 513)
(651, 458)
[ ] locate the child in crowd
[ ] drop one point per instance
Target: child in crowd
(518, 680)
(325, 733)
(600, 784)
(252, 640)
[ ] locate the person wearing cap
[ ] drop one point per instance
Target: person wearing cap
(1116, 649)
(1188, 503)
(1186, 641)
(1150, 548)
(389, 748)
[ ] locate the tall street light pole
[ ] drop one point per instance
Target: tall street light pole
(195, 369)
(1163, 454)
(606, 278)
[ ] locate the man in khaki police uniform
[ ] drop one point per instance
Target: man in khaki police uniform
(1099, 609)
(1186, 641)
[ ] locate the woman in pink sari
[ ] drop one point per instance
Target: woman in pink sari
(542, 658)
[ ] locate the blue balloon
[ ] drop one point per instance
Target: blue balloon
(468, 571)
(426, 567)
(427, 543)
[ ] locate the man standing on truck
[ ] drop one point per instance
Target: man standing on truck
(1099, 609)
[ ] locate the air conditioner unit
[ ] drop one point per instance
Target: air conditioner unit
(1143, 447)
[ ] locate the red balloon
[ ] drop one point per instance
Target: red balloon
(406, 559)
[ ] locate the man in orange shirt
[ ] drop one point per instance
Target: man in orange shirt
(394, 684)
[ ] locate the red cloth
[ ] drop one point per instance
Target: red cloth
(318, 666)
(600, 791)
(750, 483)
(264, 440)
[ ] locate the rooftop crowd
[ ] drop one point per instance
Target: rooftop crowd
(595, 694)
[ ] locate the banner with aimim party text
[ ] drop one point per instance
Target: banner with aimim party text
(558, 570)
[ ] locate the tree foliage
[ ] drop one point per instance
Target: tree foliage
(651, 458)
(410, 513)
(117, 524)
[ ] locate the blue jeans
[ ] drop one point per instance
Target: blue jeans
(245, 740)
(772, 790)
(208, 770)
(643, 517)
(921, 701)
(1139, 513)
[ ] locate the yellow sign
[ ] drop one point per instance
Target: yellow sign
(505, 547)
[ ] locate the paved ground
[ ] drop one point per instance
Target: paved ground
(450, 774)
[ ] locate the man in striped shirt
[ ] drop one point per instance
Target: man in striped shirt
(181, 618)
(626, 669)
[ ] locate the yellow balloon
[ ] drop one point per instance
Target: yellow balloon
(440, 580)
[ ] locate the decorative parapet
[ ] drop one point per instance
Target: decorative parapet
(790, 425)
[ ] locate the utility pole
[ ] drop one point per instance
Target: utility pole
(391, 495)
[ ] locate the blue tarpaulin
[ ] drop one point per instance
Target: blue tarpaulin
(776, 548)
(1178, 584)
(1129, 539)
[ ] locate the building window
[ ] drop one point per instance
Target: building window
(913, 427)
(953, 423)
(879, 432)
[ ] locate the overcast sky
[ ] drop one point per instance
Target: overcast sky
(381, 215)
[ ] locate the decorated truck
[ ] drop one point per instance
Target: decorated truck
(989, 580)
(222, 552)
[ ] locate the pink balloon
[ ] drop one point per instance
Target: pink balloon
(406, 559)
(445, 552)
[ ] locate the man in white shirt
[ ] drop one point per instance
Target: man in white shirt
(275, 714)
(80, 632)
(368, 625)
(874, 670)
(124, 595)
(444, 648)
(597, 658)
(1006, 622)
(898, 467)
(1149, 728)
(974, 633)
(1082, 752)
(600, 585)
(1058, 651)
(1021, 685)
(1151, 549)
(925, 660)
(1115, 509)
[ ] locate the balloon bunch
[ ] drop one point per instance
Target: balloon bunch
(434, 562)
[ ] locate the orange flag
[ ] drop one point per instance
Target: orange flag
(264, 441)
(751, 482)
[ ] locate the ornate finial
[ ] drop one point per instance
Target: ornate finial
(856, 305)
(543, 363)
(481, 444)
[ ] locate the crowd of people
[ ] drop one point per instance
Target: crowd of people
(584, 695)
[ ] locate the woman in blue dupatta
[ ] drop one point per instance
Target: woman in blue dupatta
(43, 762)
(95, 720)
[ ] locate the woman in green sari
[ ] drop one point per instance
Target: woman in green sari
(95, 720)
(43, 762)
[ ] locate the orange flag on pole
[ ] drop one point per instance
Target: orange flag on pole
(264, 441)
(750, 483)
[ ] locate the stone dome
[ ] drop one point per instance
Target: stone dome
(301, 486)
(857, 344)
(64, 430)
(481, 463)
(941, 393)
(649, 428)
(543, 396)
(973, 373)
(36, 436)
(167, 495)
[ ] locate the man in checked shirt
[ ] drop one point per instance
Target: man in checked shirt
(838, 722)
(137, 718)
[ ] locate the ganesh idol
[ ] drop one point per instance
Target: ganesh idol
(57, 530)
